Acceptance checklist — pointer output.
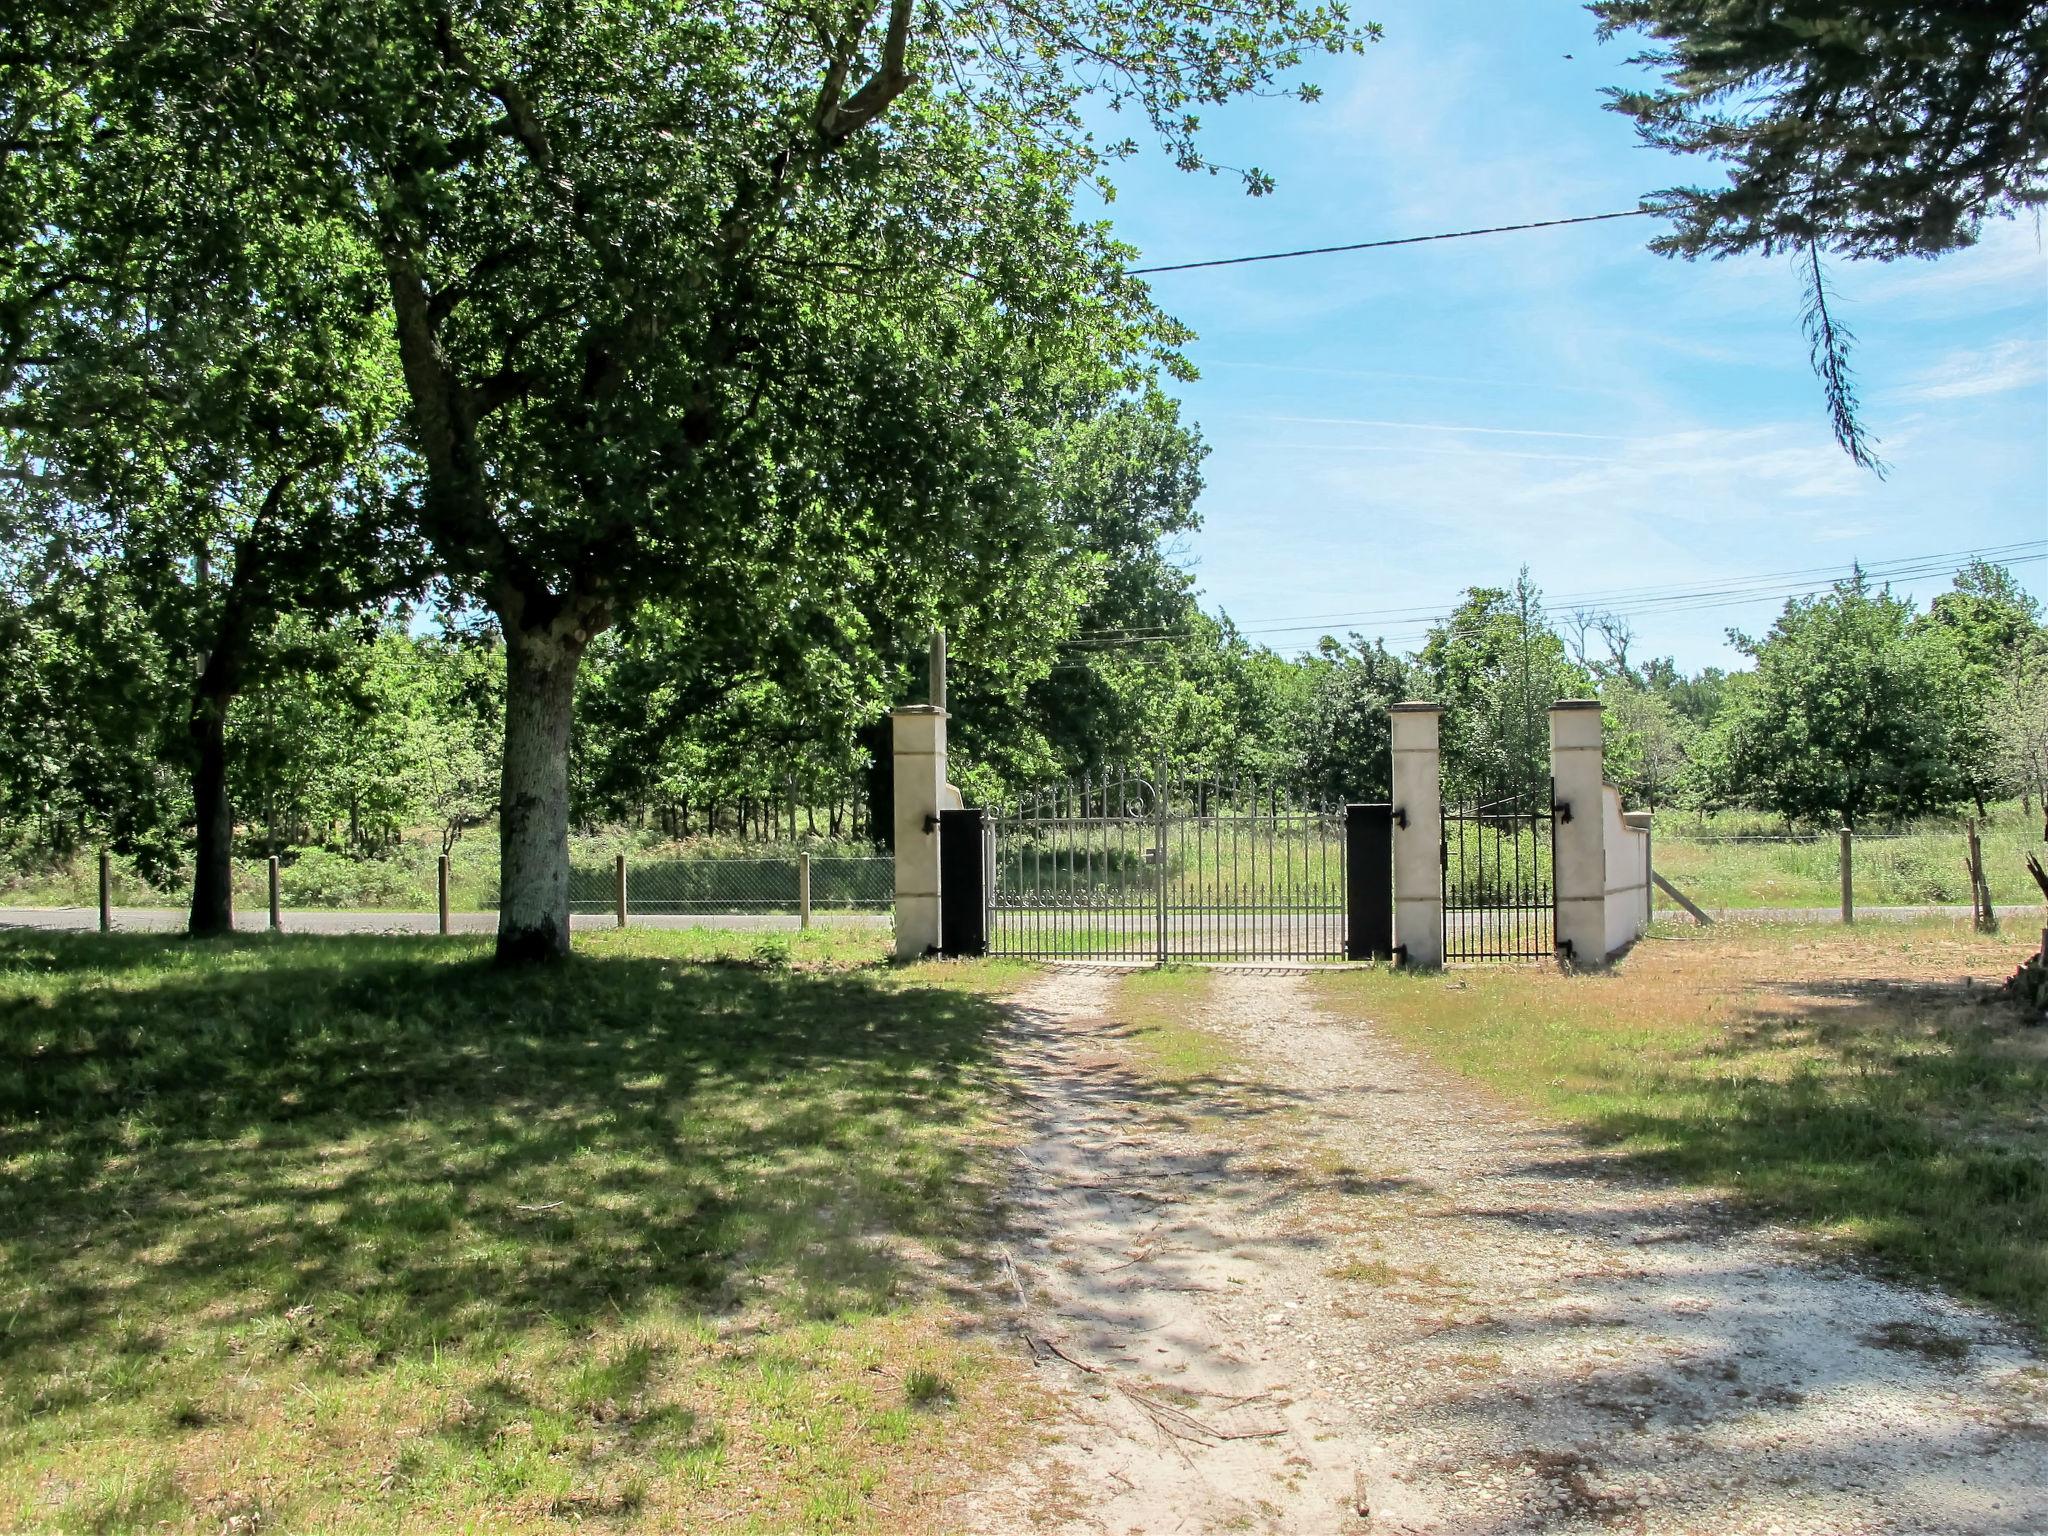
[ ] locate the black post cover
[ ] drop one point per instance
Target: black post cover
(1368, 882)
(963, 882)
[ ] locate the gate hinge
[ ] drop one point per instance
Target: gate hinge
(1562, 809)
(1401, 817)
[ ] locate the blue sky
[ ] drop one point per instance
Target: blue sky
(1390, 427)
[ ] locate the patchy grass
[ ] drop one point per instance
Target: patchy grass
(360, 1233)
(1853, 1081)
(1160, 1008)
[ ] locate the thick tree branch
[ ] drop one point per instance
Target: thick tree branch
(890, 80)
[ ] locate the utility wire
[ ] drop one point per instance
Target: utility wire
(1413, 623)
(1376, 245)
(1676, 597)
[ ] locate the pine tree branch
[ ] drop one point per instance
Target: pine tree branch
(1828, 344)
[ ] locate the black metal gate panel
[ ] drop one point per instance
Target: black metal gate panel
(1499, 858)
(1150, 868)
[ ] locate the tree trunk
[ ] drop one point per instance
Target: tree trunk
(533, 798)
(213, 872)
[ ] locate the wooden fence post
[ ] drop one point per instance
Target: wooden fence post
(106, 892)
(803, 890)
(619, 886)
(276, 913)
(441, 892)
(1848, 877)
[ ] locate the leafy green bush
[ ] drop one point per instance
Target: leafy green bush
(318, 878)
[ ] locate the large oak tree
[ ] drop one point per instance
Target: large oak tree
(718, 304)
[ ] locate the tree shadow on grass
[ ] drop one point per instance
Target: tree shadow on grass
(1895, 1111)
(366, 1147)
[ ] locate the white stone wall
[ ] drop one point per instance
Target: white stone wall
(1628, 871)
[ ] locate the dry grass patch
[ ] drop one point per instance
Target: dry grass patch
(1854, 1080)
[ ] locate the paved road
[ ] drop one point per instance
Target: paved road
(171, 919)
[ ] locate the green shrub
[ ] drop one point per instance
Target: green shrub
(318, 878)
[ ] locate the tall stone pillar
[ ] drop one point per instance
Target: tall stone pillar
(918, 734)
(1418, 835)
(1580, 875)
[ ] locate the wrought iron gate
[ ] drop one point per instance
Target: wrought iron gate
(1128, 867)
(1499, 884)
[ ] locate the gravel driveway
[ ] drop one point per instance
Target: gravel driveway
(1340, 1291)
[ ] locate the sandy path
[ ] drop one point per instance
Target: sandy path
(1342, 1292)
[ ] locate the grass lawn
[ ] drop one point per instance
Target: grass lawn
(359, 1234)
(1848, 1080)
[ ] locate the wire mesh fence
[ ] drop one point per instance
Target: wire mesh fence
(734, 886)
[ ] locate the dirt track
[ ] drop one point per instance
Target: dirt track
(1341, 1292)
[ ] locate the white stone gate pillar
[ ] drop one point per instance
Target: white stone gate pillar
(1418, 835)
(919, 743)
(1580, 875)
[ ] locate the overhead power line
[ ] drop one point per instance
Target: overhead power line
(1413, 623)
(1614, 598)
(1376, 245)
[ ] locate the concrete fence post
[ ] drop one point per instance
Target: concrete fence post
(276, 906)
(441, 893)
(1579, 827)
(619, 887)
(1848, 858)
(1418, 834)
(106, 892)
(918, 739)
(803, 890)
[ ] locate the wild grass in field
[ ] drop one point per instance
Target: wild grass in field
(1853, 1080)
(1923, 868)
(363, 1234)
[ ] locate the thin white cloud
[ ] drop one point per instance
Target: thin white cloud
(1972, 372)
(1447, 453)
(1521, 385)
(1441, 426)
(2010, 264)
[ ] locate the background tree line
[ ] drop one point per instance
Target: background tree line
(1858, 710)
